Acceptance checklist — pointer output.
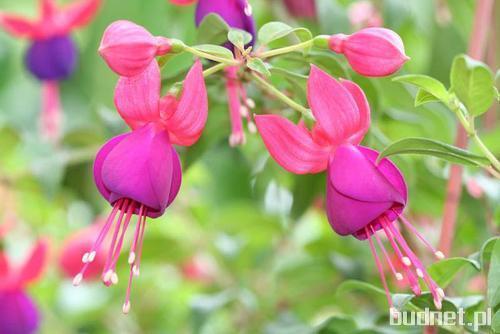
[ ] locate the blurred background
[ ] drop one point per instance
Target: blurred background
(246, 247)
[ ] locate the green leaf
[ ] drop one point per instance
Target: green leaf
(213, 30)
(256, 64)
(495, 323)
(215, 50)
(433, 148)
(487, 250)
(445, 270)
(430, 85)
(493, 275)
(424, 97)
(473, 83)
(354, 285)
(273, 31)
(239, 38)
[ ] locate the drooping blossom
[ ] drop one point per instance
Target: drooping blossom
(129, 48)
(19, 314)
(372, 52)
(364, 197)
(364, 14)
(52, 54)
(76, 247)
(237, 14)
(139, 173)
(301, 8)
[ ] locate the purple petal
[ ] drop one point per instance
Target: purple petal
(141, 167)
(52, 59)
(19, 314)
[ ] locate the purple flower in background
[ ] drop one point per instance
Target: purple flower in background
(363, 196)
(18, 313)
(52, 55)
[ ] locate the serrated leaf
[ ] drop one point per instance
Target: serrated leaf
(433, 148)
(428, 84)
(273, 31)
(473, 83)
(215, 50)
(239, 38)
(444, 271)
(257, 65)
(212, 30)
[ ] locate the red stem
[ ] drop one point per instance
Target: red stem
(482, 19)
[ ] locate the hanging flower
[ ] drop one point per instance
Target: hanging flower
(75, 250)
(373, 52)
(139, 173)
(19, 313)
(301, 8)
(52, 55)
(363, 196)
(237, 14)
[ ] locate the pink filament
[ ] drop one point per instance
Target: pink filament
(420, 236)
(51, 115)
(232, 88)
(379, 267)
(381, 246)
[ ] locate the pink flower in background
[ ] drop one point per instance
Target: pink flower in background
(199, 268)
(301, 8)
(128, 48)
(364, 14)
(372, 52)
(19, 314)
(363, 196)
(139, 173)
(77, 245)
(52, 55)
(183, 2)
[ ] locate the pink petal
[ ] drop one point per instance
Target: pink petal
(48, 9)
(363, 107)
(51, 115)
(186, 124)
(137, 98)
(35, 264)
(4, 266)
(77, 14)
(334, 108)
(291, 146)
(18, 26)
(182, 2)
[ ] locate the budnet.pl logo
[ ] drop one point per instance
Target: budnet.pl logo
(439, 318)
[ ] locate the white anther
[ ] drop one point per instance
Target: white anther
(85, 258)
(250, 103)
(440, 292)
(126, 308)
(439, 255)
(438, 304)
(406, 261)
(419, 273)
(77, 279)
(399, 276)
(114, 278)
(251, 127)
(91, 256)
(107, 276)
(131, 258)
(135, 270)
(243, 111)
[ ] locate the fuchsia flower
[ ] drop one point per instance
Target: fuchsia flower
(19, 313)
(301, 8)
(373, 52)
(363, 196)
(364, 14)
(77, 245)
(139, 173)
(52, 55)
(128, 48)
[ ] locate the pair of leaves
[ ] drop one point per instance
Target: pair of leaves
(472, 82)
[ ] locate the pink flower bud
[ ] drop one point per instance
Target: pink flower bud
(373, 52)
(128, 48)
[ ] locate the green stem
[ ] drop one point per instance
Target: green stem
(287, 49)
(214, 69)
(491, 157)
(210, 56)
(278, 94)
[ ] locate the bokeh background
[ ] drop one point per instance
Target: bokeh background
(246, 247)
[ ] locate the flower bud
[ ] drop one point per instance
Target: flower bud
(373, 52)
(128, 48)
